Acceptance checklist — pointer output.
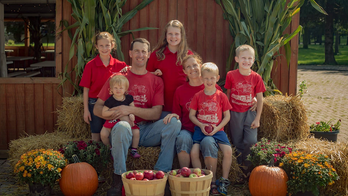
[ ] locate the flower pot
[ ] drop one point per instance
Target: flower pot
(37, 189)
(330, 136)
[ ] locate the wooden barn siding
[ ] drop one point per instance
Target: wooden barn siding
(27, 106)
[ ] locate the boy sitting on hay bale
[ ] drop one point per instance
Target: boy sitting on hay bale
(147, 90)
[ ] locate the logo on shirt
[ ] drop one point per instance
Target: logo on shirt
(208, 112)
(245, 89)
(139, 94)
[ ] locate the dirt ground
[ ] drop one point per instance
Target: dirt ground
(327, 95)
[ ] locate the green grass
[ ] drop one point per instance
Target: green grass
(22, 44)
(315, 55)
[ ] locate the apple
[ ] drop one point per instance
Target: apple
(145, 179)
(185, 171)
(201, 175)
(197, 171)
(193, 176)
(209, 128)
(202, 172)
(179, 175)
(135, 171)
(179, 171)
(139, 176)
(148, 174)
(133, 179)
(130, 175)
(173, 172)
(159, 174)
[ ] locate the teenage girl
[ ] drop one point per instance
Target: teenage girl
(166, 61)
(95, 74)
(118, 89)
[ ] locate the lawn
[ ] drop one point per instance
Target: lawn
(315, 55)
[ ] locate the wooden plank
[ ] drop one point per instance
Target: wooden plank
(163, 18)
(200, 26)
(135, 21)
(3, 154)
(284, 73)
(11, 112)
(38, 80)
(48, 107)
(39, 107)
(209, 17)
(294, 56)
(172, 10)
(57, 102)
(59, 39)
(154, 22)
(20, 105)
(29, 109)
(144, 21)
(3, 118)
(66, 43)
(127, 39)
(219, 41)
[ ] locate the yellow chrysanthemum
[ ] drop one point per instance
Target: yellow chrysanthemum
(306, 165)
(281, 164)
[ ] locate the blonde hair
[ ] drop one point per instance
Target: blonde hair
(162, 44)
(210, 67)
(194, 56)
(105, 35)
(243, 48)
(119, 80)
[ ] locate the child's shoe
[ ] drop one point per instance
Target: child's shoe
(134, 153)
(222, 185)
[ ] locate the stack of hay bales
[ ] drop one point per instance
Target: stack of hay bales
(283, 118)
(338, 153)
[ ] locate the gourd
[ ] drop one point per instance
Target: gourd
(78, 178)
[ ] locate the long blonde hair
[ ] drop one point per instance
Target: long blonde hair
(162, 44)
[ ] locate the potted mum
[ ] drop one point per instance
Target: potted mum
(266, 150)
(326, 130)
(41, 169)
(95, 153)
(307, 172)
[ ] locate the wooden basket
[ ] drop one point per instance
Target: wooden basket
(191, 186)
(139, 187)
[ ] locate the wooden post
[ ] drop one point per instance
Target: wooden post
(3, 65)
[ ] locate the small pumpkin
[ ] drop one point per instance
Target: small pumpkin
(268, 181)
(78, 178)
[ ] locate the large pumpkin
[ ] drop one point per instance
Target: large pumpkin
(268, 181)
(79, 179)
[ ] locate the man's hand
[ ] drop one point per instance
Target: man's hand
(120, 111)
(167, 119)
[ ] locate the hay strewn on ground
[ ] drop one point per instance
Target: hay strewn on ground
(283, 118)
(338, 152)
(20, 146)
(70, 118)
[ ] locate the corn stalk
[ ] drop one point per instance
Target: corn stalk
(94, 16)
(261, 23)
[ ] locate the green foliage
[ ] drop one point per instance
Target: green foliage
(94, 16)
(261, 24)
(315, 54)
(264, 151)
(92, 152)
(303, 88)
(323, 126)
(307, 172)
(10, 42)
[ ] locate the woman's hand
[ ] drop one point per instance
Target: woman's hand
(167, 119)
(125, 69)
(158, 72)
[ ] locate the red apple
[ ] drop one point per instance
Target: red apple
(148, 174)
(135, 171)
(193, 176)
(133, 179)
(179, 171)
(201, 175)
(139, 176)
(185, 171)
(145, 179)
(130, 175)
(173, 172)
(159, 174)
(197, 171)
(179, 175)
(209, 128)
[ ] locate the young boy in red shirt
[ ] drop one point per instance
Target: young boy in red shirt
(210, 108)
(242, 86)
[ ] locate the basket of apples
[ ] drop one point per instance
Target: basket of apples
(144, 182)
(190, 181)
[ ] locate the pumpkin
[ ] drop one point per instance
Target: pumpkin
(268, 181)
(79, 179)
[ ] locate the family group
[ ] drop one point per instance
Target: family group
(170, 98)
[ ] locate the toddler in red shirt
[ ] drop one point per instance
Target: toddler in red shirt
(210, 108)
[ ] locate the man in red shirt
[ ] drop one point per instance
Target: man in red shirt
(147, 91)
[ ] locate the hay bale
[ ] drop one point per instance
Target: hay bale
(20, 146)
(283, 118)
(338, 152)
(70, 118)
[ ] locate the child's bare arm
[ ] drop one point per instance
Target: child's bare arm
(224, 121)
(192, 116)
(86, 113)
(228, 93)
(256, 122)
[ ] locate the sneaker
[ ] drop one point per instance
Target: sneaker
(222, 185)
(135, 154)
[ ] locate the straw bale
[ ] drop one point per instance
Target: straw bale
(70, 118)
(283, 118)
(338, 152)
(20, 146)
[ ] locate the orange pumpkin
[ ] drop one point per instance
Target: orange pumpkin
(79, 179)
(268, 181)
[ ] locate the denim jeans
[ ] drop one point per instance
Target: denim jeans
(151, 134)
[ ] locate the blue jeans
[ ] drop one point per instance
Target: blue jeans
(96, 123)
(151, 134)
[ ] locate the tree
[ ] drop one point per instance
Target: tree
(329, 22)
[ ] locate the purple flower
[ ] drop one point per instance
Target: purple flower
(97, 151)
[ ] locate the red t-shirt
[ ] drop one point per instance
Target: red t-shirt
(172, 74)
(181, 103)
(147, 90)
(243, 89)
(210, 107)
(95, 74)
